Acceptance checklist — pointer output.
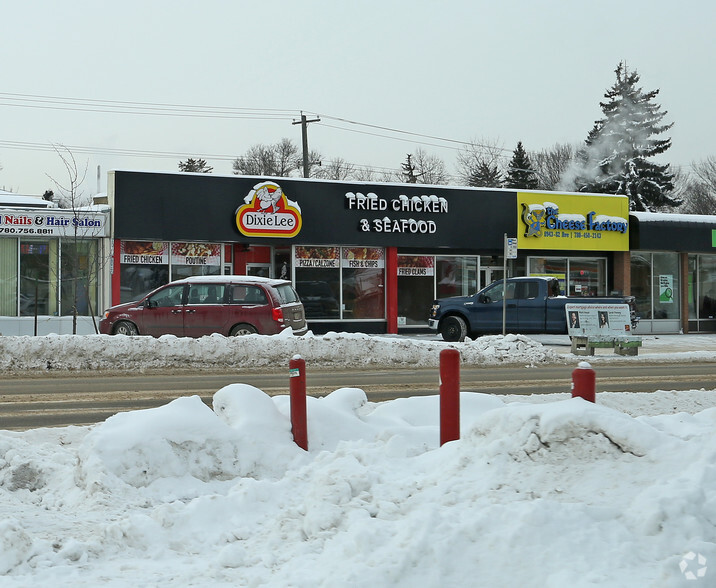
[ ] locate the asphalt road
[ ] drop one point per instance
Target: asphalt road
(28, 402)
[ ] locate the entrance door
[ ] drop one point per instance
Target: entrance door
(489, 275)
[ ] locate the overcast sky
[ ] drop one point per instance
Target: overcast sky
(462, 70)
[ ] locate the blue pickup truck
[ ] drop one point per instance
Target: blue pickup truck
(533, 305)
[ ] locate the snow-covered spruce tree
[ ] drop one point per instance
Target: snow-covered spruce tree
(614, 158)
(196, 166)
(485, 175)
(520, 174)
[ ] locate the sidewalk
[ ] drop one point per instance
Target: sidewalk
(698, 346)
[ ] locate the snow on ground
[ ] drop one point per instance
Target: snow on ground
(544, 491)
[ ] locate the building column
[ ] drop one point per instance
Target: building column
(622, 272)
(391, 294)
(116, 290)
(684, 294)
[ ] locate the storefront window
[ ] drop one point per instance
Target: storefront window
(587, 277)
(79, 265)
(416, 288)
(318, 281)
(693, 278)
(422, 278)
(8, 280)
(707, 286)
(195, 259)
(341, 282)
(38, 275)
(641, 283)
(553, 267)
(363, 282)
(655, 284)
(144, 266)
(665, 285)
(456, 276)
(578, 276)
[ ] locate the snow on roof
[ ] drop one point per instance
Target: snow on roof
(674, 218)
(12, 199)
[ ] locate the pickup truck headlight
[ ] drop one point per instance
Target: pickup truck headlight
(434, 309)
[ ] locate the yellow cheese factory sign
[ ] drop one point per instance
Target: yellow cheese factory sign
(572, 221)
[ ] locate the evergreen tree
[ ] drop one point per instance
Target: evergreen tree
(196, 166)
(409, 171)
(485, 175)
(520, 174)
(614, 159)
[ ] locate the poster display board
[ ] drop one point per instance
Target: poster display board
(598, 320)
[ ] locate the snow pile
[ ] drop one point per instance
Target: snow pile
(102, 352)
(556, 492)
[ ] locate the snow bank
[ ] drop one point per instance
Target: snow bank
(105, 352)
(559, 492)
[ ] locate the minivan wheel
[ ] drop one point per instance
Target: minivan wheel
(242, 329)
(453, 328)
(125, 328)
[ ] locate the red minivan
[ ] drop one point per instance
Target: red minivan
(202, 305)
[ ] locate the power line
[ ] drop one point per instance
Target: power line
(202, 111)
(127, 107)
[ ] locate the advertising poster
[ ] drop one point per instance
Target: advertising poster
(196, 254)
(324, 257)
(666, 289)
(363, 258)
(144, 252)
(416, 265)
(590, 320)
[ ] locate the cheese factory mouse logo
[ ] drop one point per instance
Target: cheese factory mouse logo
(533, 215)
(267, 212)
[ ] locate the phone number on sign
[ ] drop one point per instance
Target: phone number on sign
(25, 231)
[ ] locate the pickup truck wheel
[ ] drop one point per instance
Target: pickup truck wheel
(453, 328)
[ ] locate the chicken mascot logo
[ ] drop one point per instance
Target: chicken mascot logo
(267, 212)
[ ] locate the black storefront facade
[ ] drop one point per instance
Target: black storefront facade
(371, 257)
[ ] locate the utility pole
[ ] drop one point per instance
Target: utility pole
(304, 137)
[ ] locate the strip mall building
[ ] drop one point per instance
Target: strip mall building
(372, 257)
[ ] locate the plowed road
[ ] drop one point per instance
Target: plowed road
(28, 402)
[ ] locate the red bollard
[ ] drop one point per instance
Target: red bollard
(449, 395)
(297, 387)
(584, 382)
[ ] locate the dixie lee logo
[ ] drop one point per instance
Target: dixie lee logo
(268, 213)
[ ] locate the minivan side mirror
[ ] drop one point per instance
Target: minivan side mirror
(150, 304)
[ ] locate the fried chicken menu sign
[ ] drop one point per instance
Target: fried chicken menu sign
(267, 212)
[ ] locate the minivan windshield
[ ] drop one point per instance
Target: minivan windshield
(287, 294)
